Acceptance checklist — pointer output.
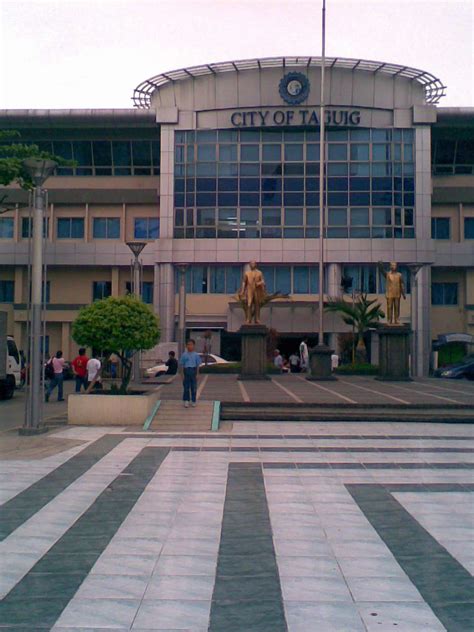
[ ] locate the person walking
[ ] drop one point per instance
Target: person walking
(93, 371)
(57, 380)
(304, 355)
(79, 366)
(190, 362)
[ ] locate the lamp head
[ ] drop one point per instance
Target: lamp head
(136, 246)
(39, 169)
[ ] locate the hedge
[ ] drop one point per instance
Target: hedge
(357, 369)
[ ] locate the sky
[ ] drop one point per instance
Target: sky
(82, 54)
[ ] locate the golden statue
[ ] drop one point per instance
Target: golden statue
(252, 294)
(394, 290)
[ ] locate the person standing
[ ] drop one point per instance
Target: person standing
(93, 371)
(79, 366)
(58, 366)
(304, 355)
(294, 363)
(114, 362)
(190, 362)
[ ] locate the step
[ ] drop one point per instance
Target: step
(172, 415)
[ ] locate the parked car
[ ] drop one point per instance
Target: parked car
(160, 369)
(459, 370)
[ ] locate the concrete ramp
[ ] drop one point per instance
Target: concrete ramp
(171, 416)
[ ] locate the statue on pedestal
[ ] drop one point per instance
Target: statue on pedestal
(394, 290)
(252, 294)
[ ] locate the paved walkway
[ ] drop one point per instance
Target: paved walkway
(346, 390)
(266, 527)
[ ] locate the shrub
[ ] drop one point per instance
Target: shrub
(357, 369)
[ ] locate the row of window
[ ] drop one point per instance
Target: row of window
(276, 135)
(297, 222)
(451, 156)
(106, 157)
(284, 279)
(100, 290)
(441, 228)
(73, 227)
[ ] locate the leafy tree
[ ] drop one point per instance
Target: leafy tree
(362, 315)
(12, 155)
(121, 325)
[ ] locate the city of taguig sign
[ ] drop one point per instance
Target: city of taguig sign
(287, 117)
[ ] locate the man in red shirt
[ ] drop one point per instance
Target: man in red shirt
(79, 366)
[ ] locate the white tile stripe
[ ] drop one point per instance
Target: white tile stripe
(48, 525)
(328, 390)
(201, 386)
(287, 391)
(243, 391)
(412, 390)
(177, 486)
(372, 390)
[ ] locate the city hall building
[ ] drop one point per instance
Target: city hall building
(218, 164)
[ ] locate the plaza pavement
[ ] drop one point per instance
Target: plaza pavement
(263, 526)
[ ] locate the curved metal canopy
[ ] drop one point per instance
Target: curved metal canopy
(434, 89)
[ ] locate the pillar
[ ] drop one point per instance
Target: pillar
(66, 339)
(115, 281)
(423, 321)
(164, 299)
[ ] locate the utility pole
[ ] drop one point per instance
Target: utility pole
(39, 170)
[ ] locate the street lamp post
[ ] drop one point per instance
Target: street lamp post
(39, 170)
(136, 247)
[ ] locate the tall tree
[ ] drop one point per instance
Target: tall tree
(362, 315)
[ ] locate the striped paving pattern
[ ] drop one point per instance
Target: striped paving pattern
(267, 527)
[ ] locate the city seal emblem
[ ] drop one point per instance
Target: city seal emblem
(294, 88)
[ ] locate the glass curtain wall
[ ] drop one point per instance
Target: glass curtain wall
(265, 183)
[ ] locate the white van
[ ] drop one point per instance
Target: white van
(10, 364)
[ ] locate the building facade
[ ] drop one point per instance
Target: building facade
(219, 164)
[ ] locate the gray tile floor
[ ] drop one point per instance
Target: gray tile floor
(331, 536)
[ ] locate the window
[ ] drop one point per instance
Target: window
(106, 228)
(146, 291)
(147, 228)
(26, 224)
(440, 227)
(6, 227)
(7, 291)
(225, 279)
(444, 293)
(101, 289)
(70, 228)
(469, 228)
(363, 278)
(265, 177)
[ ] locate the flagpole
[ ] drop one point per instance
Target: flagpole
(322, 158)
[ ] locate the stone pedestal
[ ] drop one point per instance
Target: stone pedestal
(254, 352)
(320, 364)
(394, 353)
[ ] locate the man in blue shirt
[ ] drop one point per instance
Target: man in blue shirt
(190, 362)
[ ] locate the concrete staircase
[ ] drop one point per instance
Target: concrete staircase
(173, 417)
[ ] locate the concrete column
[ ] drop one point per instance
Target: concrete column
(164, 300)
(66, 339)
(423, 321)
(115, 281)
(167, 182)
(19, 276)
(334, 274)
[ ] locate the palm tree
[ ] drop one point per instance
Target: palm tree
(362, 315)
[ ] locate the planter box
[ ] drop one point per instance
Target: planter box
(111, 410)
